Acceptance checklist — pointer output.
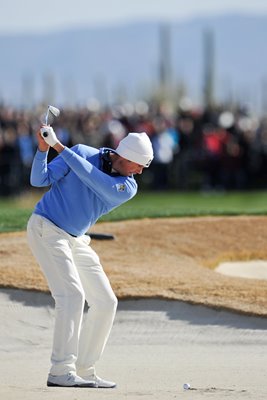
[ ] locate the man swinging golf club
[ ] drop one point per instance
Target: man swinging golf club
(85, 183)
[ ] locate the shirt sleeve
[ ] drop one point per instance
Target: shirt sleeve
(113, 190)
(43, 174)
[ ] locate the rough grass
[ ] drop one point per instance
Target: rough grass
(14, 213)
(171, 258)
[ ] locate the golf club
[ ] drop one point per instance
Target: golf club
(54, 111)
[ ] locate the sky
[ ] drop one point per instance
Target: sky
(35, 16)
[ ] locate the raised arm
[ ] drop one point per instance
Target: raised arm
(43, 174)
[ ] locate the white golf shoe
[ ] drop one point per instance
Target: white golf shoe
(99, 382)
(70, 380)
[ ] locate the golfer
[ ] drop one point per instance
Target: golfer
(85, 183)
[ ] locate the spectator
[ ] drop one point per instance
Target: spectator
(194, 149)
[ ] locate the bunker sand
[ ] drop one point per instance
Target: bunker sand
(154, 348)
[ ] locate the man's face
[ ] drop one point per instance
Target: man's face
(127, 167)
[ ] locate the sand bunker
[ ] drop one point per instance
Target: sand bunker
(254, 269)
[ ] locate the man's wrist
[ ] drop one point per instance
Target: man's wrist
(43, 149)
(59, 147)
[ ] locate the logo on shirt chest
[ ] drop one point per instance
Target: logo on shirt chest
(121, 187)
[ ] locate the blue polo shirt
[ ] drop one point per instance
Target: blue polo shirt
(80, 193)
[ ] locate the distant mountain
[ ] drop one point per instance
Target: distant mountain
(77, 64)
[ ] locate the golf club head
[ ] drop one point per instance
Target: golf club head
(51, 110)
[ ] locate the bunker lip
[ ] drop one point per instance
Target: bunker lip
(253, 269)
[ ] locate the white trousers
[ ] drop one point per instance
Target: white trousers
(74, 274)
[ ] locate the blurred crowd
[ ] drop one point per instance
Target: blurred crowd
(210, 149)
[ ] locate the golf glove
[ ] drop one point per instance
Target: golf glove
(49, 136)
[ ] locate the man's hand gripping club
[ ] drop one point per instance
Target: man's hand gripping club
(50, 138)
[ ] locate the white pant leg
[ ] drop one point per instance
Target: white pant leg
(102, 304)
(52, 248)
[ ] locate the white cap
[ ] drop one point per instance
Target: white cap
(136, 147)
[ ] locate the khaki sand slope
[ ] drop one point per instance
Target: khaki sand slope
(164, 258)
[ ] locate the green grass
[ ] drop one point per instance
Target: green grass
(12, 220)
(151, 205)
(15, 213)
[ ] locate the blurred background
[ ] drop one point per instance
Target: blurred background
(193, 75)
